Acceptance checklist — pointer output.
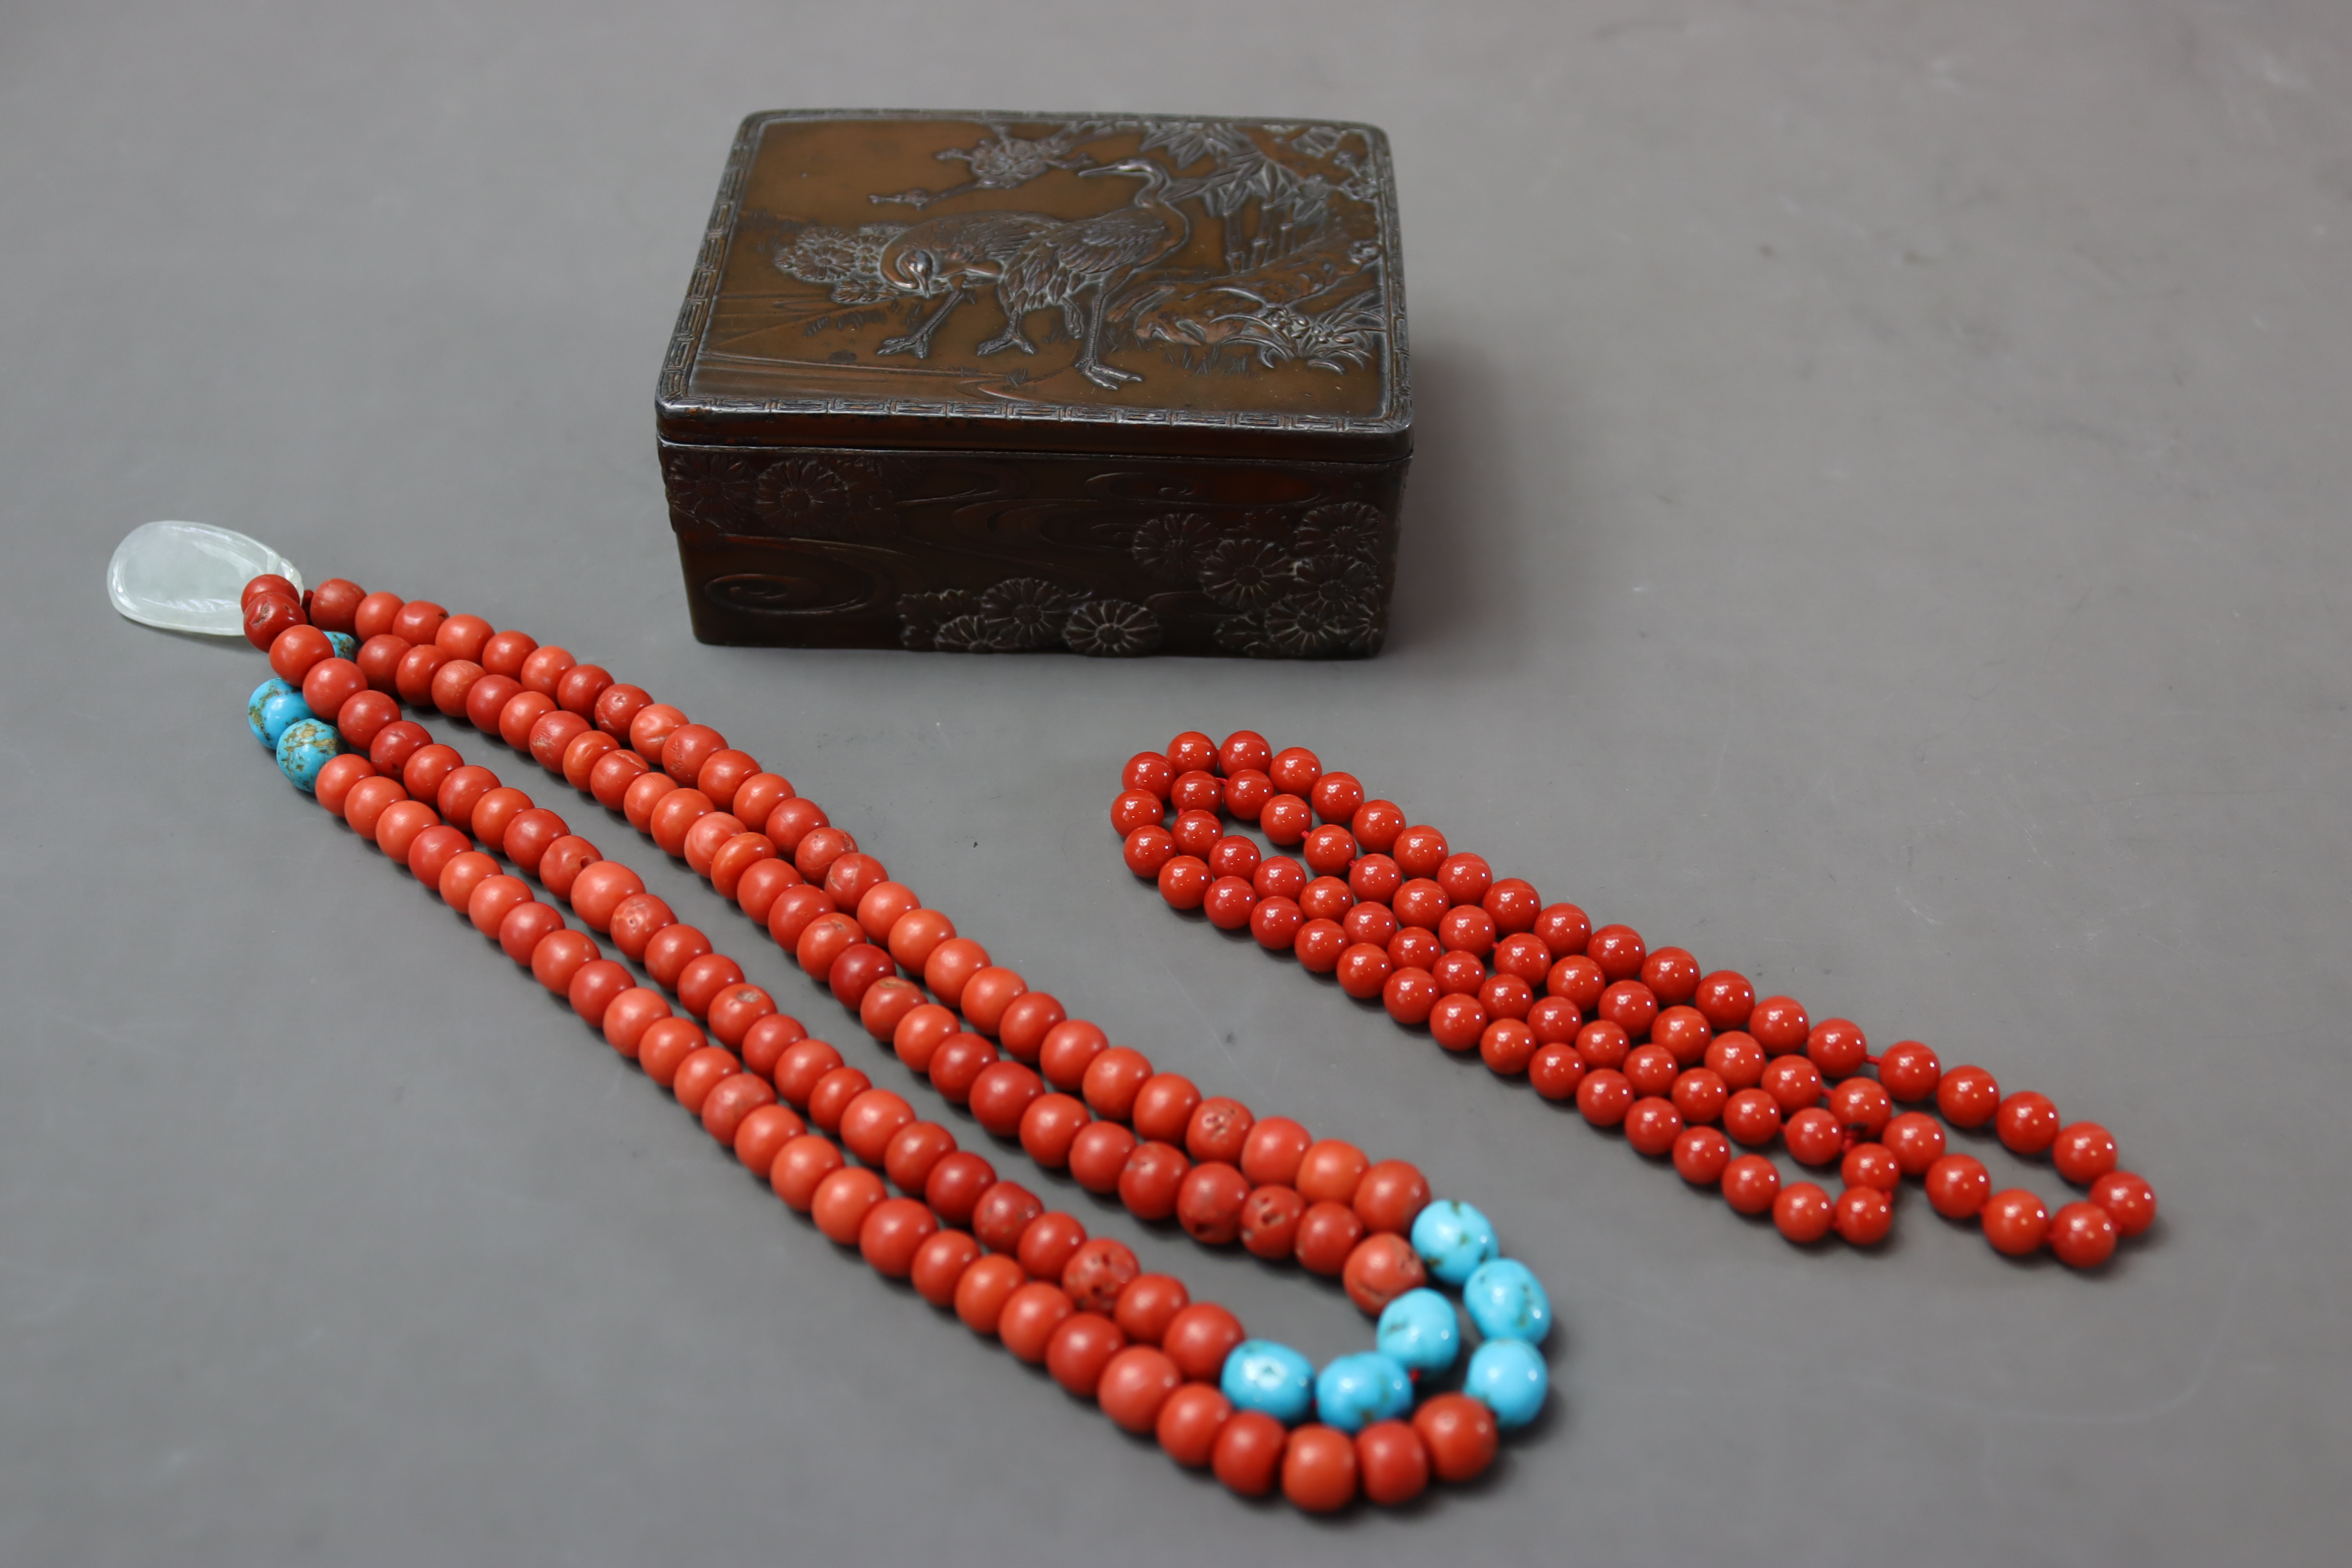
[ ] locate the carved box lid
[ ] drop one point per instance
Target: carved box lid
(1143, 284)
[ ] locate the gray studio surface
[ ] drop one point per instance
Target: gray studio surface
(1879, 522)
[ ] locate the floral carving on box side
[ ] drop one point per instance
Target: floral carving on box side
(1108, 563)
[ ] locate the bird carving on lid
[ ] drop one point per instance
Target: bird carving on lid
(1076, 266)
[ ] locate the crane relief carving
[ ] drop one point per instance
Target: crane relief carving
(1286, 210)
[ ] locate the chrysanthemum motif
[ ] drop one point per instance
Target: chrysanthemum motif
(1174, 548)
(805, 498)
(1243, 635)
(1111, 628)
(1272, 523)
(920, 616)
(1243, 573)
(1346, 528)
(1329, 607)
(1299, 628)
(711, 491)
(1026, 612)
(1332, 582)
(968, 634)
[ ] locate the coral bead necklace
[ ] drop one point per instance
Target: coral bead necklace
(1257, 1413)
(1640, 1040)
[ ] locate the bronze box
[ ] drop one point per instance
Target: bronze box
(1118, 384)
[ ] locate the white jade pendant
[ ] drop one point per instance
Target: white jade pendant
(187, 576)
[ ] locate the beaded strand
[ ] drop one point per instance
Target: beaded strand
(1135, 1342)
(1641, 1040)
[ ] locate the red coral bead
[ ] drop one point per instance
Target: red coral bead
(1135, 1386)
(1460, 1434)
(1837, 1046)
(1605, 1097)
(1218, 1129)
(1871, 1165)
(1149, 771)
(940, 1264)
(1968, 1097)
(1603, 1045)
(1813, 1137)
(1863, 1215)
(1457, 1022)
(982, 1291)
(1148, 1306)
(1247, 1458)
(1049, 1244)
(2027, 1122)
(1151, 1179)
(1701, 1155)
(2015, 1222)
(1792, 1081)
(1190, 1422)
(1269, 1221)
(1098, 1273)
(1652, 1125)
(1751, 1184)
(2083, 1235)
(1327, 1234)
(1556, 1070)
(2129, 1200)
(1916, 1140)
(1780, 1025)
(1619, 951)
(1200, 1337)
(1244, 749)
(2084, 1152)
(1650, 1069)
(1803, 1212)
(1274, 1151)
(1210, 1201)
(1910, 1071)
(955, 1186)
(1029, 1318)
(1378, 1269)
(1320, 1470)
(1162, 1110)
(1861, 1104)
(1700, 1095)
(1752, 1116)
(268, 615)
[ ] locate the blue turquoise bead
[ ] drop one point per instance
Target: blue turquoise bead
(1275, 1379)
(1355, 1391)
(308, 745)
(1452, 1239)
(1418, 1330)
(272, 707)
(345, 645)
(1508, 1377)
(1506, 1301)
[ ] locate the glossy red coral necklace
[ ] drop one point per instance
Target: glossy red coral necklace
(1641, 1040)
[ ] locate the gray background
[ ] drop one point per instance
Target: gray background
(1878, 522)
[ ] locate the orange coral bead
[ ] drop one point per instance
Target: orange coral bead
(1318, 1470)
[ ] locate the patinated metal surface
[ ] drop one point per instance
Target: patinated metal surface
(989, 383)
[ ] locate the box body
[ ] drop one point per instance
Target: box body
(1117, 385)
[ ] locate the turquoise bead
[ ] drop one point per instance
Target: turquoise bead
(345, 645)
(1274, 1379)
(1355, 1391)
(1508, 1377)
(272, 707)
(308, 745)
(1452, 1239)
(1506, 1301)
(1418, 1330)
